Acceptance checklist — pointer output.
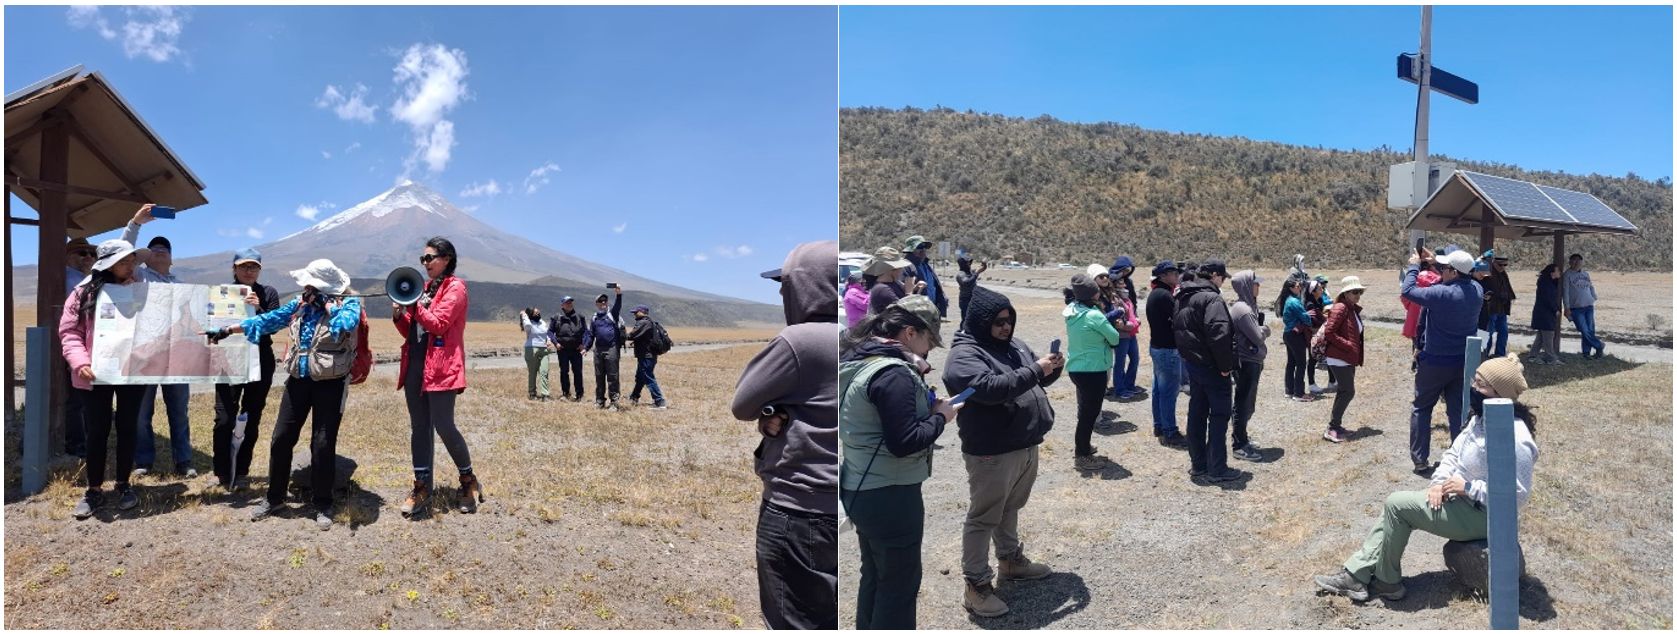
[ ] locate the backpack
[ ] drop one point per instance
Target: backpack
(660, 343)
(363, 364)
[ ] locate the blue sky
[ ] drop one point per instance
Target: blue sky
(1574, 89)
(693, 145)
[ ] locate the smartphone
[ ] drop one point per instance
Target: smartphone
(159, 211)
(962, 397)
(1419, 245)
(1054, 347)
(611, 284)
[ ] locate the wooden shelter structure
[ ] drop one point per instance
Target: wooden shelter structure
(80, 155)
(1511, 209)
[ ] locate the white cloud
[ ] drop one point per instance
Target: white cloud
(539, 177)
(491, 188)
(254, 233)
(734, 252)
(432, 80)
(150, 31)
(326, 155)
(470, 208)
(351, 107)
(352, 147)
(620, 228)
(698, 257)
(308, 212)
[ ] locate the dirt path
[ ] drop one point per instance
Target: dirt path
(1139, 546)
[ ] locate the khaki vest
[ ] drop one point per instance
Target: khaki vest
(863, 434)
(330, 355)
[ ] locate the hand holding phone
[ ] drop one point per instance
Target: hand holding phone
(1054, 347)
(160, 211)
(958, 399)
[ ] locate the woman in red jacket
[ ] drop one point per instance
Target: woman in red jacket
(1343, 333)
(433, 373)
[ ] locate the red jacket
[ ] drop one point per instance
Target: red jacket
(445, 320)
(1412, 311)
(1345, 339)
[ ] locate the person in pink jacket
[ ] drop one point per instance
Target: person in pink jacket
(433, 374)
(855, 300)
(115, 263)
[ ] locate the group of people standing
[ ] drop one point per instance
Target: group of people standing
(569, 335)
(323, 321)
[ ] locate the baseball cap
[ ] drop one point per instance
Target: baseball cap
(159, 241)
(247, 254)
(1165, 266)
(1215, 267)
(915, 242)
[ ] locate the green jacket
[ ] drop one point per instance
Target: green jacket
(863, 434)
(1089, 339)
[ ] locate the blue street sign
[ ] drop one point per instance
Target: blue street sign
(1442, 81)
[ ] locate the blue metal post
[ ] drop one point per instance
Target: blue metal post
(1470, 364)
(1504, 522)
(36, 409)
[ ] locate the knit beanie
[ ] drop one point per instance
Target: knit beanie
(1083, 288)
(1505, 376)
(984, 305)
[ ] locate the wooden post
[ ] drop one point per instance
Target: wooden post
(1487, 231)
(10, 399)
(49, 293)
(1503, 525)
(35, 436)
(1560, 250)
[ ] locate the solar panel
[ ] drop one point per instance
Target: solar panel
(1587, 209)
(1518, 199)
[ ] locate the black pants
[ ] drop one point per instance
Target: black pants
(605, 374)
(326, 400)
(890, 524)
(250, 398)
(1346, 378)
(1246, 375)
(797, 569)
(75, 426)
(96, 409)
(1091, 390)
(570, 366)
(1209, 407)
(1298, 352)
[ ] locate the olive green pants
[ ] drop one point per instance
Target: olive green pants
(1407, 511)
(535, 359)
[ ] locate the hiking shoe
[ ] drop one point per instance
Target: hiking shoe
(1333, 435)
(981, 599)
(322, 521)
(140, 471)
(661, 405)
(1343, 584)
(1421, 468)
(1021, 567)
(1387, 591)
(127, 499)
(1314, 391)
(1227, 475)
(1088, 463)
(84, 507)
(1331, 388)
(418, 499)
(1538, 361)
(262, 509)
(1173, 438)
(186, 471)
(1306, 398)
(600, 404)
(635, 401)
(1248, 453)
(471, 492)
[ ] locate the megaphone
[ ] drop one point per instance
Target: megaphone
(404, 285)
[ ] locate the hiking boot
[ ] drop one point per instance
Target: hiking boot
(1171, 438)
(127, 499)
(1387, 591)
(635, 401)
(1333, 435)
(1249, 453)
(600, 404)
(1343, 584)
(322, 521)
(418, 499)
(1021, 567)
(84, 507)
(470, 493)
(1090, 462)
(261, 510)
(1304, 398)
(1227, 475)
(981, 599)
(1422, 468)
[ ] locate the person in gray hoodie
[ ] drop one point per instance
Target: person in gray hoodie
(1250, 350)
(791, 390)
(1578, 303)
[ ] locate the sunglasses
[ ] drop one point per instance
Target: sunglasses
(82, 253)
(426, 259)
(1356, 292)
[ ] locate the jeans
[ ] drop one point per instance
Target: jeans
(1126, 359)
(1209, 406)
(890, 525)
(249, 398)
(797, 569)
(605, 374)
(997, 487)
(1298, 351)
(1167, 379)
(535, 364)
(180, 430)
(75, 423)
(1381, 556)
(326, 399)
(1090, 388)
(100, 420)
(1497, 325)
(570, 370)
(1246, 375)
(1433, 382)
(1345, 376)
(644, 378)
(1583, 318)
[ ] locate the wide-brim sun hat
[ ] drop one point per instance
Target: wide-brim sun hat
(885, 260)
(324, 276)
(112, 251)
(1096, 270)
(1351, 283)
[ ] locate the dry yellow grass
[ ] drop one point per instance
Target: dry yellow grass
(593, 520)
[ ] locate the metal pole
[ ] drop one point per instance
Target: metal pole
(1503, 525)
(36, 404)
(9, 398)
(1470, 364)
(1423, 171)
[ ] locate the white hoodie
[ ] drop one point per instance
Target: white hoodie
(535, 334)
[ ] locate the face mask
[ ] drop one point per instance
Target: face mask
(1476, 402)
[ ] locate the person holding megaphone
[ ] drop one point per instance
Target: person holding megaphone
(433, 374)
